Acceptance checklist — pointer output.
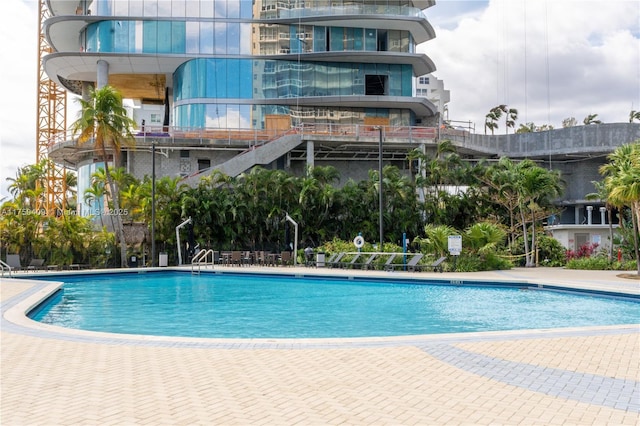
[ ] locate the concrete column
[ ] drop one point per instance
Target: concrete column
(603, 212)
(310, 154)
(86, 90)
(589, 215)
(102, 76)
(576, 220)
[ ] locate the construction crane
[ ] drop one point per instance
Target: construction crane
(51, 124)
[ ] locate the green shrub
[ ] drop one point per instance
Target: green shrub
(599, 263)
(470, 262)
(550, 251)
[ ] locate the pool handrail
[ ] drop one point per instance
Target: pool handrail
(200, 259)
(5, 267)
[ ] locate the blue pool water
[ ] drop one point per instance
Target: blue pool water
(257, 306)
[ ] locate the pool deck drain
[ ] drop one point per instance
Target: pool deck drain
(586, 375)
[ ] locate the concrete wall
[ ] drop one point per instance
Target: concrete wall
(592, 139)
(573, 236)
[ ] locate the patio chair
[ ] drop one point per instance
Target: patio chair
(367, 263)
(351, 263)
(261, 258)
(388, 265)
(35, 265)
(412, 265)
(13, 260)
(336, 260)
(285, 258)
(236, 258)
(437, 265)
(331, 258)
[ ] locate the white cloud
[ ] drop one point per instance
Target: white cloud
(549, 59)
(18, 83)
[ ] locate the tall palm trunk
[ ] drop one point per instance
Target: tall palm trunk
(609, 214)
(116, 212)
(525, 236)
(635, 219)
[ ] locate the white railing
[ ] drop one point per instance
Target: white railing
(202, 259)
(5, 267)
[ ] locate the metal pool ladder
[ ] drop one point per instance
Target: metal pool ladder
(4, 268)
(202, 258)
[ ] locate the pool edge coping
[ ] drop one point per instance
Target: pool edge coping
(16, 308)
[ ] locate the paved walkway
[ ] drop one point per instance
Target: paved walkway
(588, 375)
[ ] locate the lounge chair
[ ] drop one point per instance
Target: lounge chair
(13, 260)
(350, 264)
(36, 265)
(388, 265)
(367, 263)
(336, 260)
(437, 265)
(413, 265)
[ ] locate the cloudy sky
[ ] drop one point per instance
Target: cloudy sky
(550, 59)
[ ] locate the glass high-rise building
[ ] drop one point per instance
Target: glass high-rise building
(243, 65)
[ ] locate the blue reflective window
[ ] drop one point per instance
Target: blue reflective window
(220, 37)
(370, 39)
(164, 37)
(206, 38)
(178, 37)
(233, 38)
(104, 39)
(149, 36)
(336, 38)
(319, 39)
(192, 37)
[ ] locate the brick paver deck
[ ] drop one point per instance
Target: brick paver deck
(586, 375)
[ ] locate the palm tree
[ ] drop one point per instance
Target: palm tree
(538, 186)
(602, 194)
(492, 117)
(485, 238)
(436, 240)
(510, 117)
(501, 180)
(591, 119)
(27, 186)
(633, 116)
(104, 121)
(94, 196)
(526, 128)
(622, 181)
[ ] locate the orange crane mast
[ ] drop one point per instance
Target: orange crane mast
(51, 125)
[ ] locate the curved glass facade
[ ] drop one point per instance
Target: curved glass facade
(247, 9)
(201, 82)
(208, 38)
(240, 63)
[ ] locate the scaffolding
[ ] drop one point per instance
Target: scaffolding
(51, 125)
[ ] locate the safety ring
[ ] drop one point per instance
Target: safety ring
(358, 242)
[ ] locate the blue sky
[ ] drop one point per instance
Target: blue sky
(550, 59)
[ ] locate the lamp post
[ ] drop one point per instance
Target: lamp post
(380, 186)
(153, 203)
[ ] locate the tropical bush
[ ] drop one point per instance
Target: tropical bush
(599, 263)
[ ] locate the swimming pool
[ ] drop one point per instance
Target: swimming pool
(229, 305)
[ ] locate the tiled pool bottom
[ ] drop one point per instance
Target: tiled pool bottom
(578, 376)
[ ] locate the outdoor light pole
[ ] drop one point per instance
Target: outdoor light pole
(380, 186)
(153, 203)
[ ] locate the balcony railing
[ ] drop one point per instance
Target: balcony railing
(164, 135)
